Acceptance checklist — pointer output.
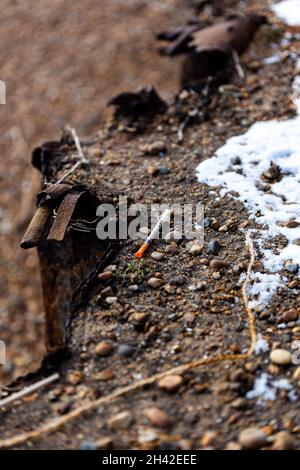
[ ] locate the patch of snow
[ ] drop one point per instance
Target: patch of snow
(266, 389)
(288, 11)
(261, 345)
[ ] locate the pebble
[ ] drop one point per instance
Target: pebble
(208, 438)
(88, 445)
(157, 256)
(296, 374)
(196, 249)
(104, 348)
(106, 292)
(139, 318)
(105, 443)
(289, 315)
(75, 378)
(126, 350)
(155, 148)
(171, 249)
(133, 288)
(164, 170)
(147, 435)
(105, 375)
(170, 383)
(169, 289)
(173, 235)
(121, 420)
(296, 242)
(158, 417)
(224, 228)
(292, 267)
(154, 282)
(111, 267)
(281, 357)
(111, 300)
(217, 264)
(283, 441)
(152, 170)
(105, 276)
(294, 284)
(252, 438)
(207, 222)
(214, 247)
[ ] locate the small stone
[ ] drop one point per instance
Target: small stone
(208, 438)
(154, 282)
(75, 378)
(133, 288)
(294, 284)
(283, 441)
(196, 249)
(152, 170)
(224, 228)
(216, 276)
(252, 438)
(173, 235)
(281, 357)
(111, 267)
(296, 374)
(157, 417)
(217, 264)
(171, 249)
(88, 445)
(233, 446)
(111, 300)
(156, 148)
(104, 443)
(170, 383)
(292, 267)
(105, 375)
(296, 242)
(126, 350)
(157, 256)
(147, 435)
(169, 289)
(214, 247)
(207, 222)
(104, 348)
(105, 276)
(121, 420)
(106, 292)
(289, 315)
(163, 170)
(139, 318)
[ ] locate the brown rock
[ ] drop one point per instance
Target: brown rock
(155, 148)
(208, 438)
(154, 282)
(157, 256)
(104, 443)
(169, 289)
(296, 374)
(105, 276)
(217, 264)
(105, 375)
(104, 348)
(252, 438)
(106, 292)
(290, 315)
(283, 441)
(75, 378)
(170, 383)
(121, 420)
(157, 417)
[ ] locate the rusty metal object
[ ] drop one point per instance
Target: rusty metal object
(144, 102)
(38, 227)
(209, 50)
(53, 192)
(64, 214)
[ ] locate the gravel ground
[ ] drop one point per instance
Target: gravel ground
(161, 322)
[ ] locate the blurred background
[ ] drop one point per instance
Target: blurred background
(61, 62)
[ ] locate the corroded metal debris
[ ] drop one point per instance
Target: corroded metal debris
(64, 231)
(209, 49)
(144, 102)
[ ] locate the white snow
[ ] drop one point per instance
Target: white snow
(266, 389)
(237, 168)
(288, 11)
(261, 345)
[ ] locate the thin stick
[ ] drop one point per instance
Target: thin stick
(82, 159)
(27, 390)
(237, 65)
(57, 423)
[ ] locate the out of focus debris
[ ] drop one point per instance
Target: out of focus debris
(211, 50)
(144, 102)
(272, 174)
